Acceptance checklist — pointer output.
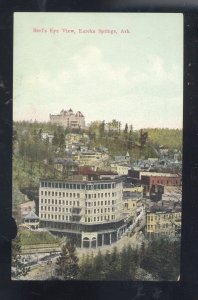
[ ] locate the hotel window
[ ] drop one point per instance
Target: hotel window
(70, 195)
(97, 218)
(88, 219)
(41, 200)
(94, 219)
(105, 210)
(101, 195)
(108, 202)
(55, 201)
(78, 203)
(74, 203)
(98, 195)
(74, 195)
(95, 203)
(108, 209)
(101, 210)
(63, 202)
(63, 217)
(56, 193)
(52, 193)
(41, 192)
(56, 185)
(45, 193)
(66, 194)
(41, 215)
(101, 202)
(41, 207)
(63, 209)
(78, 195)
(66, 202)
(59, 194)
(55, 217)
(101, 218)
(48, 193)
(89, 196)
(94, 211)
(98, 210)
(66, 209)
(98, 203)
(105, 202)
(52, 208)
(59, 208)
(55, 208)
(94, 195)
(105, 194)
(49, 208)
(70, 203)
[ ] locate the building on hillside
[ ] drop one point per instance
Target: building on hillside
(47, 136)
(122, 158)
(87, 210)
(65, 165)
(69, 119)
(90, 158)
(163, 222)
(26, 208)
(120, 169)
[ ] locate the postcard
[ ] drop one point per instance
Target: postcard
(97, 146)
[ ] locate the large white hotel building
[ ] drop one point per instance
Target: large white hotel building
(87, 210)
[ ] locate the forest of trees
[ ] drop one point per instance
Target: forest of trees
(159, 259)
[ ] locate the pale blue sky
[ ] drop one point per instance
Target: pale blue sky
(135, 77)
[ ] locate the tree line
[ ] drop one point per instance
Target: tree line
(160, 259)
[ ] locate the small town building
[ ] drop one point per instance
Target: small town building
(31, 220)
(163, 222)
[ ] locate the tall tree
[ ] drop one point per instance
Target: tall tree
(67, 262)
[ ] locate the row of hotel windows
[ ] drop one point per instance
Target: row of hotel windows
(63, 209)
(69, 218)
(171, 216)
(77, 203)
(94, 219)
(94, 211)
(77, 195)
(154, 227)
(75, 186)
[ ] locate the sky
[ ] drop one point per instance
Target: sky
(135, 77)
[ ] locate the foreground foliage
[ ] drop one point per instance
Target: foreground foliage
(67, 263)
(159, 260)
(18, 267)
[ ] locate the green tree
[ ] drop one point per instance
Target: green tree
(67, 262)
(18, 267)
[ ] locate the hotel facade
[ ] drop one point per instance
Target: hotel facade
(90, 212)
